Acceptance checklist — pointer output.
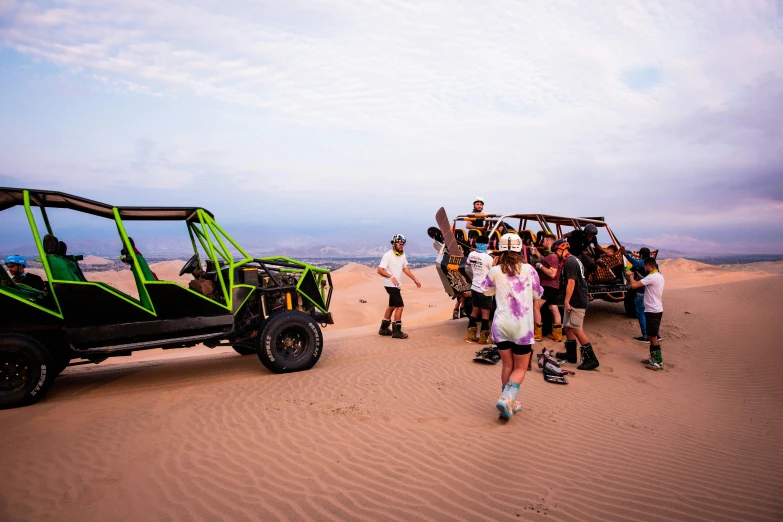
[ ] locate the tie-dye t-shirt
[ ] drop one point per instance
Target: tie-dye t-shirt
(514, 297)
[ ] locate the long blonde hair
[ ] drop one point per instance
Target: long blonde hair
(510, 262)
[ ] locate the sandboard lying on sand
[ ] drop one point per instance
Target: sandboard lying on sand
(488, 355)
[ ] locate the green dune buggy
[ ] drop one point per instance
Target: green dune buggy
(270, 306)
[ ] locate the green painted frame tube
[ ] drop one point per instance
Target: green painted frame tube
(34, 229)
(132, 251)
(231, 240)
(211, 252)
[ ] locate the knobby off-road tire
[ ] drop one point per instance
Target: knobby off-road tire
(291, 342)
(27, 370)
(628, 302)
(244, 350)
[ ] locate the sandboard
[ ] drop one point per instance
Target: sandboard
(449, 239)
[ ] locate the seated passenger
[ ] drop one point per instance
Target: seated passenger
(149, 275)
(16, 269)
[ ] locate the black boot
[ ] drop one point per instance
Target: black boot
(589, 360)
(397, 332)
(570, 353)
(385, 328)
(455, 315)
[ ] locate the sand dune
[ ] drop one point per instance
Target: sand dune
(95, 260)
(354, 283)
(685, 273)
(383, 429)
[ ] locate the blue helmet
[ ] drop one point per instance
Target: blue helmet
(17, 260)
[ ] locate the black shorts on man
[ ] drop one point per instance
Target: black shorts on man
(395, 297)
(479, 300)
(653, 320)
(550, 295)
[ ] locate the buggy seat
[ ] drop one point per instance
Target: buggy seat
(62, 266)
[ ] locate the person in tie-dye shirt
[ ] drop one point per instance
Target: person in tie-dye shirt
(516, 285)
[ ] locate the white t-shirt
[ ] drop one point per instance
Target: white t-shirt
(480, 263)
(393, 264)
(653, 293)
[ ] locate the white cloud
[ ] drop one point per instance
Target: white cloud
(522, 96)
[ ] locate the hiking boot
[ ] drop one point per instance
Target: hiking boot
(385, 328)
(470, 336)
(455, 315)
(397, 332)
(505, 408)
(589, 360)
(656, 360)
(484, 337)
(648, 360)
(570, 354)
(557, 332)
(641, 339)
(537, 327)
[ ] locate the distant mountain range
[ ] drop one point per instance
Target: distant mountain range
(177, 247)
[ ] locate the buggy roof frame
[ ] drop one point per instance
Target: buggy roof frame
(11, 197)
(548, 218)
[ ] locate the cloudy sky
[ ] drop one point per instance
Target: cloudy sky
(362, 117)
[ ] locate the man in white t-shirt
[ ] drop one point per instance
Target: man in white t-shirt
(391, 268)
(480, 262)
(653, 284)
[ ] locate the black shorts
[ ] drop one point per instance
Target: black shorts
(653, 320)
(550, 295)
(395, 297)
(479, 300)
(516, 349)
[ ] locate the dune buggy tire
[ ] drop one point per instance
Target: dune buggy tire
(291, 342)
(27, 370)
(244, 350)
(628, 303)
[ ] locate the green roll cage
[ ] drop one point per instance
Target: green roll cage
(202, 228)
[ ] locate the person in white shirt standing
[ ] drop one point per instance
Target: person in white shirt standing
(653, 284)
(391, 268)
(480, 262)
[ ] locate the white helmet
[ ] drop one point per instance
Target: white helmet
(478, 200)
(510, 242)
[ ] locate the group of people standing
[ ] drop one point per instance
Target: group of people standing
(508, 294)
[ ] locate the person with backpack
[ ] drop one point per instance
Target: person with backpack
(576, 298)
(392, 266)
(516, 285)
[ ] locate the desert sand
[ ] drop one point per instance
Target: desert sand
(385, 429)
